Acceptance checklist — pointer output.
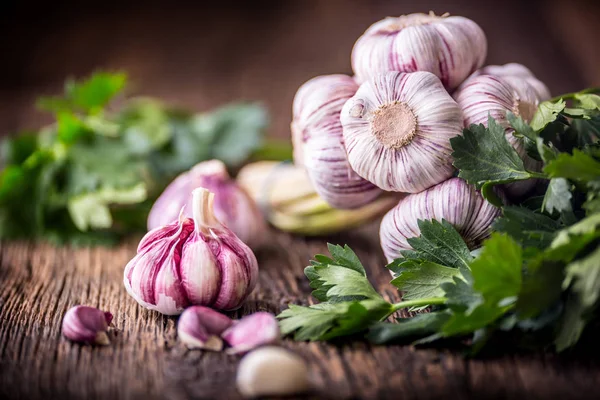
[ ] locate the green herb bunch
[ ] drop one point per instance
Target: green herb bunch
(92, 175)
(536, 279)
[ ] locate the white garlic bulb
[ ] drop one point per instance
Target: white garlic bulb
(397, 130)
(319, 144)
(495, 95)
(453, 200)
(451, 47)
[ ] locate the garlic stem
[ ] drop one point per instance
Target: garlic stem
(202, 210)
(428, 301)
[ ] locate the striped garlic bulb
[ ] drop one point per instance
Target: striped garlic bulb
(319, 144)
(453, 200)
(397, 130)
(450, 47)
(510, 90)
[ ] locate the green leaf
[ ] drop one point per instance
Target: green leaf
(484, 155)
(541, 287)
(418, 326)
(579, 167)
(423, 280)
(345, 257)
(529, 228)
(546, 113)
(583, 276)
(588, 101)
(461, 295)
(571, 326)
(521, 127)
(558, 196)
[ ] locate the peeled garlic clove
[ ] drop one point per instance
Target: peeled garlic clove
(397, 130)
(201, 327)
(493, 95)
(87, 325)
(272, 371)
(449, 47)
(252, 331)
(195, 261)
(319, 143)
(232, 205)
(453, 200)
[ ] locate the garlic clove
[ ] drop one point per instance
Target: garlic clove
(397, 130)
(201, 327)
(272, 371)
(453, 200)
(319, 142)
(451, 47)
(232, 205)
(87, 325)
(252, 331)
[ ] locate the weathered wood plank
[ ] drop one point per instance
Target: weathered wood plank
(39, 283)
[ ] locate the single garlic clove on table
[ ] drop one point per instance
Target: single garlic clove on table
(397, 130)
(272, 371)
(201, 327)
(195, 261)
(87, 325)
(232, 205)
(449, 47)
(319, 143)
(511, 89)
(453, 200)
(252, 331)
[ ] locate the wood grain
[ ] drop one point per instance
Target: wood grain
(145, 360)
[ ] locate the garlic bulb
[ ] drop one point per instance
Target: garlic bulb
(492, 95)
(319, 144)
(450, 47)
(453, 200)
(195, 261)
(397, 130)
(233, 206)
(87, 325)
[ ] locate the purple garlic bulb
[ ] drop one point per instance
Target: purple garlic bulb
(449, 47)
(319, 143)
(192, 261)
(511, 89)
(453, 200)
(397, 130)
(87, 325)
(232, 205)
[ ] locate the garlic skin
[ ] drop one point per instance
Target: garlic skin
(201, 327)
(319, 143)
(453, 200)
(195, 261)
(492, 95)
(232, 205)
(272, 371)
(252, 331)
(450, 47)
(87, 325)
(397, 130)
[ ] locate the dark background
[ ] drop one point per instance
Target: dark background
(203, 54)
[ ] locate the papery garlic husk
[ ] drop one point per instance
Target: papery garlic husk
(450, 47)
(397, 130)
(195, 261)
(319, 143)
(201, 328)
(453, 200)
(291, 204)
(495, 96)
(232, 205)
(254, 330)
(272, 371)
(87, 325)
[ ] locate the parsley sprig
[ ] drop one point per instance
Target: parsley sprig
(538, 275)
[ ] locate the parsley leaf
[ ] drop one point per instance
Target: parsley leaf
(423, 280)
(529, 228)
(579, 167)
(546, 113)
(418, 326)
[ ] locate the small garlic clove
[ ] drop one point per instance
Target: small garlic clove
(87, 325)
(319, 142)
(453, 200)
(272, 371)
(232, 205)
(451, 47)
(400, 140)
(252, 331)
(201, 327)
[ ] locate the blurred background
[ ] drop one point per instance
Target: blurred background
(207, 53)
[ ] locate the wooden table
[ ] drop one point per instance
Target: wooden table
(39, 283)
